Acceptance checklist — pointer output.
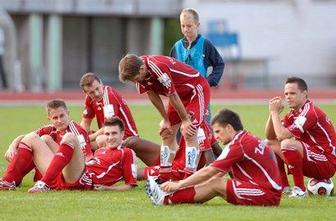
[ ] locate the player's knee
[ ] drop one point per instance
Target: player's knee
(167, 137)
(131, 142)
(46, 138)
(70, 139)
(218, 183)
(101, 140)
(30, 138)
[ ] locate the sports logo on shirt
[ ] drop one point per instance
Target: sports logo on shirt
(165, 80)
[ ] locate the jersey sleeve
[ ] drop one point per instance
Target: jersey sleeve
(88, 109)
(230, 155)
(215, 60)
(129, 167)
(161, 73)
(302, 123)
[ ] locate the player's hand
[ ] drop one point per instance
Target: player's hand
(165, 127)
(276, 104)
(188, 129)
(170, 186)
(10, 153)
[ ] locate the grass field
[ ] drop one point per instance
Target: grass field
(134, 205)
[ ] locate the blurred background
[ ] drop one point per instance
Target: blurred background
(47, 45)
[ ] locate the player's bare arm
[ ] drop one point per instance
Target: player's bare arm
(198, 177)
(12, 148)
(269, 130)
(86, 124)
(275, 107)
(157, 102)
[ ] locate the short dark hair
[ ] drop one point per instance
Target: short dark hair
(56, 103)
(227, 116)
(129, 67)
(302, 85)
(115, 121)
(87, 80)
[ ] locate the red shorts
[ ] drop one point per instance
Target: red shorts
(83, 183)
(196, 107)
(316, 164)
(244, 193)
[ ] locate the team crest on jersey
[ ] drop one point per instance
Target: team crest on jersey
(165, 80)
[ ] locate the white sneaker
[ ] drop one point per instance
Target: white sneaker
(287, 190)
(39, 187)
(154, 191)
(297, 193)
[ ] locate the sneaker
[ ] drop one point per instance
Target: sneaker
(5, 185)
(297, 193)
(154, 191)
(39, 187)
(287, 190)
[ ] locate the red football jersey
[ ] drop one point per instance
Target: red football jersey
(313, 127)
(167, 75)
(250, 160)
(111, 105)
(112, 165)
(74, 128)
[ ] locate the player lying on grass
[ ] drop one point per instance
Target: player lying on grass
(103, 102)
(188, 94)
(67, 169)
(312, 152)
(61, 128)
(209, 150)
(252, 163)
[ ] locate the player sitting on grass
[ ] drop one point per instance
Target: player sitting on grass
(312, 152)
(103, 102)
(50, 137)
(67, 168)
(252, 163)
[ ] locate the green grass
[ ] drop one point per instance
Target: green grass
(134, 205)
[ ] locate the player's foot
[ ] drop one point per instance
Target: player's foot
(287, 190)
(297, 193)
(39, 187)
(154, 191)
(5, 185)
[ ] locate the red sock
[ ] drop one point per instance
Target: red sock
(294, 161)
(181, 196)
(60, 160)
(283, 175)
(18, 166)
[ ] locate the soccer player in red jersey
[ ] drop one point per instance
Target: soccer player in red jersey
(62, 130)
(250, 161)
(312, 152)
(188, 94)
(67, 168)
(103, 102)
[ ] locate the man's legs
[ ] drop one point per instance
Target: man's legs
(292, 151)
(69, 159)
(147, 151)
(200, 193)
(275, 145)
(22, 162)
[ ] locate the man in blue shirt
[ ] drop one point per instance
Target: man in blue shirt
(195, 50)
